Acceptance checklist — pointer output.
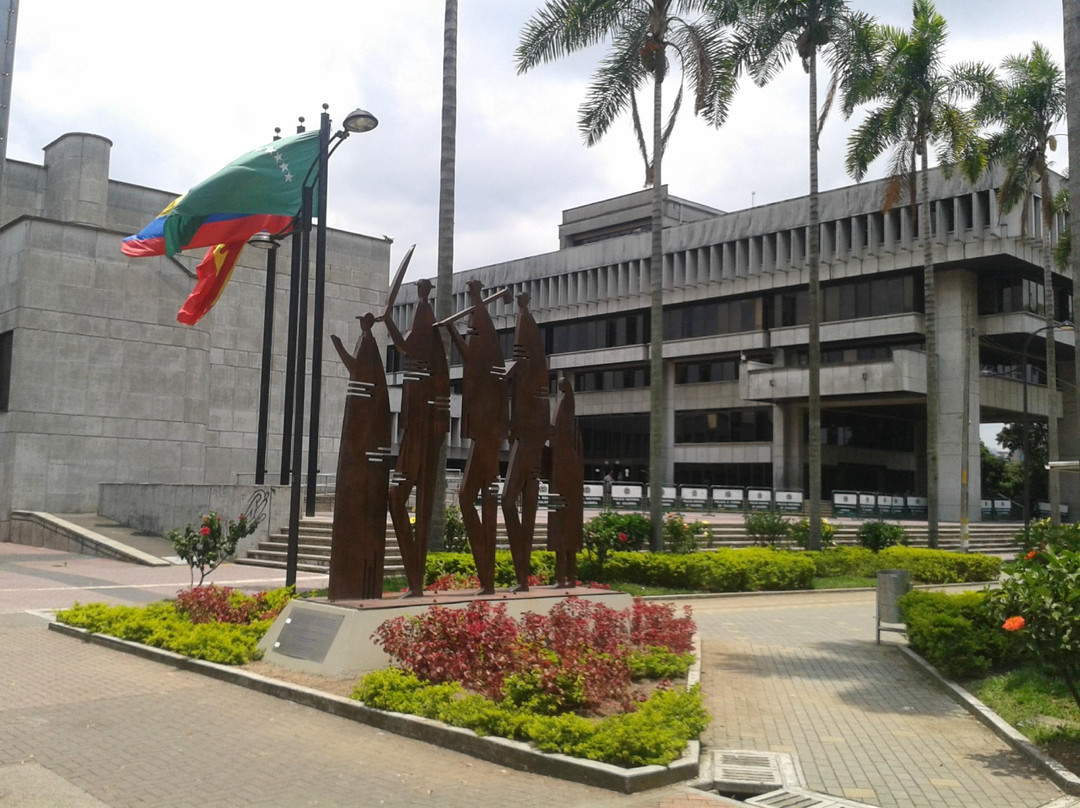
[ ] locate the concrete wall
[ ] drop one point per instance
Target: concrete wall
(106, 386)
(158, 509)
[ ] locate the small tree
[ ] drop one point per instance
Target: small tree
(211, 544)
(1039, 600)
(767, 528)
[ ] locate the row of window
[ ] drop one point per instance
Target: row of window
(745, 425)
(717, 370)
(867, 432)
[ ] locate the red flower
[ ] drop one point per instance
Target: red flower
(1013, 623)
(622, 538)
(1031, 554)
(204, 530)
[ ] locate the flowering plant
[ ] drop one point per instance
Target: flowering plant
(681, 536)
(212, 543)
(610, 531)
(1038, 599)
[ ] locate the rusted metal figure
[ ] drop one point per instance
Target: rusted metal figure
(566, 489)
(530, 426)
(424, 421)
(485, 420)
(358, 544)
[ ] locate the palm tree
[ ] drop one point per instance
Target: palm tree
(1028, 103)
(445, 256)
(774, 31)
(916, 96)
(641, 34)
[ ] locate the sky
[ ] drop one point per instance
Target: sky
(183, 89)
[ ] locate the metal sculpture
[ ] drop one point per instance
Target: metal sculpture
(566, 489)
(358, 543)
(424, 421)
(485, 420)
(530, 425)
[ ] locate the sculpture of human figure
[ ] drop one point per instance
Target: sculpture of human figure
(567, 489)
(358, 543)
(424, 421)
(485, 421)
(530, 426)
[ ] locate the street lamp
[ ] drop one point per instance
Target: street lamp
(356, 121)
(1024, 429)
(265, 241)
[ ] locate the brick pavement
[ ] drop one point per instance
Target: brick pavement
(802, 674)
(793, 673)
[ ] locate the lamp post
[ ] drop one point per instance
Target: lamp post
(1024, 428)
(356, 121)
(265, 241)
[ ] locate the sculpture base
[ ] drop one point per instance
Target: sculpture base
(314, 635)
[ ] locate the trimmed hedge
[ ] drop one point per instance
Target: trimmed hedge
(925, 566)
(959, 634)
(753, 569)
(655, 734)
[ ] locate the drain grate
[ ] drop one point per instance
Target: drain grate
(801, 798)
(741, 771)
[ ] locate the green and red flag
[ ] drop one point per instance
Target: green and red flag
(259, 191)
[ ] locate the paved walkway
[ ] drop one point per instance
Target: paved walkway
(83, 726)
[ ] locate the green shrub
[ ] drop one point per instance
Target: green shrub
(161, 626)
(655, 734)
(681, 536)
(1045, 534)
(455, 539)
(799, 533)
(1039, 604)
(940, 566)
(843, 561)
(610, 531)
(878, 535)
(767, 528)
(659, 663)
(722, 570)
(203, 549)
(440, 565)
(958, 634)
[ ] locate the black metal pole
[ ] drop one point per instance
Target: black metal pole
(267, 360)
(298, 403)
(317, 324)
(1024, 441)
(290, 357)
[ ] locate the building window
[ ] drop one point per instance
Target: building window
(747, 425)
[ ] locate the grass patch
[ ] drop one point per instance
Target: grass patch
(844, 582)
(1035, 701)
(638, 590)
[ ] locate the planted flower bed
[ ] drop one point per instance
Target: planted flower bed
(584, 680)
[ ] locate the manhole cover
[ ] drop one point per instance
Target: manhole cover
(741, 771)
(801, 798)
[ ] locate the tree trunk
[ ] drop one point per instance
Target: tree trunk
(656, 324)
(930, 326)
(445, 260)
(1054, 481)
(813, 431)
(1071, 14)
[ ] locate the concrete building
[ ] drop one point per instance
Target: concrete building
(735, 337)
(99, 383)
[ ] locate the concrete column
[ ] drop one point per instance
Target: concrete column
(1069, 436)
(669, 423)
(957, 295)
(77, 178)
(788, 446)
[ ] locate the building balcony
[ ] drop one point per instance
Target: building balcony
(904, 373)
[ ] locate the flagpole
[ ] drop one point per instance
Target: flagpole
(292, 557)
(317, 325)
(290, 358)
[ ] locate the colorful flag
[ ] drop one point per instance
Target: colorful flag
(214, 272)
(259, 191)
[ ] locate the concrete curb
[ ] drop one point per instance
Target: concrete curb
(706, 595)
(1061, 777)
(501, 751)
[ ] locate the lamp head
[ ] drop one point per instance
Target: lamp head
(359, 120)
(264, 241)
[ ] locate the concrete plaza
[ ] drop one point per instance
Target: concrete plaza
(81, 725)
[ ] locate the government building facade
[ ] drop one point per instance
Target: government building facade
(736, 337)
